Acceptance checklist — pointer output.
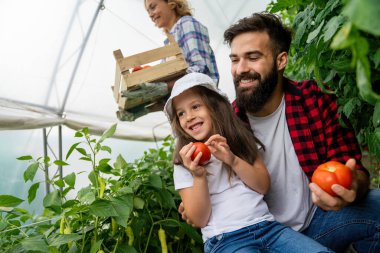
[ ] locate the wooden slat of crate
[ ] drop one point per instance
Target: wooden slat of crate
(161, 72)
(149, 56)
(118, 85)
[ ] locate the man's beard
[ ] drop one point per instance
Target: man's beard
(253, 99)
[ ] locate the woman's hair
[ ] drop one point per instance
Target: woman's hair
(280, 36)
(240, 137)
(181, 7)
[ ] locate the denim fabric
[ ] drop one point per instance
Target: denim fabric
(358, 224)
(266, 236)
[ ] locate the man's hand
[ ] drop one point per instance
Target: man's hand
(345, 196)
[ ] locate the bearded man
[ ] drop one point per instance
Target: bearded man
(298, 125)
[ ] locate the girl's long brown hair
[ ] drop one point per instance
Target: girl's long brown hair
(239, 136)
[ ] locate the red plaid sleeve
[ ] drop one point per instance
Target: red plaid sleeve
(314, 127)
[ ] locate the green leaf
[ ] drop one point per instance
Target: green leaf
(64, 239)
(315, 33)
(332, 26)
(104, 161)
(167, 199)
(70, 179)
(374, 142)
(52, 199)
(86, 131)
(60, 163)
(70, 203)
(86, 195)
(107, 149)
(72, 149)
(120, 163)
(363, 79)
(35, 244)
(9, 201)
(104, 167)
(85, 159)
(155, 181)
(376, 58)
(123, 206)
(350, 106)
(32, 192)
(364, 14)
(191, 232)
(82, 151)
(102, 208)
(376, 115)
(280, 5)
(30, 172)
(108, 133)
(78, 134)
(27, 157)
(59, 183)
(93, 178)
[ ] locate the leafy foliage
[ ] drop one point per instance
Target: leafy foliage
(337, 43)
(122, 209)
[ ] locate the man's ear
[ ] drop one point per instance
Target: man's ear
(282, 60)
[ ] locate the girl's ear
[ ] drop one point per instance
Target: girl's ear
(282, 60)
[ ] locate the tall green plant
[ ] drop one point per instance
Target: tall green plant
(337, 43)
(126, 207)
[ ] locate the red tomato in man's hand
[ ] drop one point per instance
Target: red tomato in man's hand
(206, 154)
(330, 173)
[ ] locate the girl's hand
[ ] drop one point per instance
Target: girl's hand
(192, 166)
(220, 149)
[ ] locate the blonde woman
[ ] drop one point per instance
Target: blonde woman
(175, 17)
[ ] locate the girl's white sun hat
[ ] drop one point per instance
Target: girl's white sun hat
(186, 82)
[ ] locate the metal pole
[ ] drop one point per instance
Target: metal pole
(47, 185)
(100, 7)
(60, 152)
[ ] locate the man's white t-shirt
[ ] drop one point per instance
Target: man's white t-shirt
(234, 205)
(289, 198)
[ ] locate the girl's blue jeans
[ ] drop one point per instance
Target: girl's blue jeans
(266, 236)
(357, 224)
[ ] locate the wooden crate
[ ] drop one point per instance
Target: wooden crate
(174, 66)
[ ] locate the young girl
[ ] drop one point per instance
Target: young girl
(225, 196)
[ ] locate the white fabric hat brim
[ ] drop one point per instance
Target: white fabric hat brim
(186, 82)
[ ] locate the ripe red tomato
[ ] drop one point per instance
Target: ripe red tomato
(137, 68)
(206, 154)
(330, 173)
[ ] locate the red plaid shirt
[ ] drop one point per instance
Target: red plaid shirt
(314, 127)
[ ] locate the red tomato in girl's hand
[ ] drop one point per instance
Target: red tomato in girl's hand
(206, 154)
(330, 173)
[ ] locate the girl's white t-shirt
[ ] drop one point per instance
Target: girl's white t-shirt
(234, 205)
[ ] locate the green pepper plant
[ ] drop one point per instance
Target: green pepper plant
(126, 207)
